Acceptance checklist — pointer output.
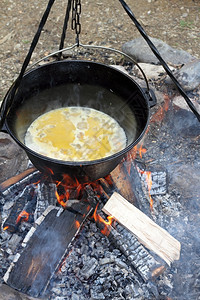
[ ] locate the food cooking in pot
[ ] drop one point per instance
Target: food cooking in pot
(75, 134)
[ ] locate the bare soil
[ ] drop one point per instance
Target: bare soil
(176, 22)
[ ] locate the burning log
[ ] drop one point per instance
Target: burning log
(122, 181)
(148, 232)
(45, 197)
(47, 244)
(21, 210)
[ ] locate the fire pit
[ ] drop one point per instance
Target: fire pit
(99, 266)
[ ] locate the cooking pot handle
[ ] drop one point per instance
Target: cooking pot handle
(149, 93)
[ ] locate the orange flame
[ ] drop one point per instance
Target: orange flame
(6, 227)
(159, 115)
(77, 224)
(149, 184)
(69, 185)
(23, 217)
(106, 224)
(142, 151)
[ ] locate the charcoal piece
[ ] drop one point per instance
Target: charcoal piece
(14, 241)
(45, 250)
(89, 268)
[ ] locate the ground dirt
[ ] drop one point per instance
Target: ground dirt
(105, 23)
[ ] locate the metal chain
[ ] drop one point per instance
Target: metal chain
(76, 25)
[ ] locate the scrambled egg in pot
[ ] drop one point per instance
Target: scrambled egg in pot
(75, 134)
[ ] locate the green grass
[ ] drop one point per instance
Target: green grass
(186, 24)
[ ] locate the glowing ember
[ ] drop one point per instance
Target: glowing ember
(159, 115)
(6, 227)
(23, 217)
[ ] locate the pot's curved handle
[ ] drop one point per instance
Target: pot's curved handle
(149, 93)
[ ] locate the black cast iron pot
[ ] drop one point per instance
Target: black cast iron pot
(78, 83)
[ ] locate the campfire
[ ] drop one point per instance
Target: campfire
(62, 237)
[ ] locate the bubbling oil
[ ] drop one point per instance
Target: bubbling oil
(75, 134)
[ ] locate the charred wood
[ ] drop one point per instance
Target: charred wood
(45, 197)
(8, 293)
(25, 203)
(137, 256)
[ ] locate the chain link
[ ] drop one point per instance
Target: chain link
(76, 11)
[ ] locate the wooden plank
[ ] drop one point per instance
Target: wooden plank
(45, 249)
(147, 231)
(8, 293)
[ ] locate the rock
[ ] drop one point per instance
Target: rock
(151, 71)
(12, 158)
(141, 52)
(180, 179)
(142, 83)
(180, 102)
(188, 76)
(186, 124)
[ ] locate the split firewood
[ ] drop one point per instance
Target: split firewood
(16, 179)
(147, 231)
(45, 247)
(138, 257)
